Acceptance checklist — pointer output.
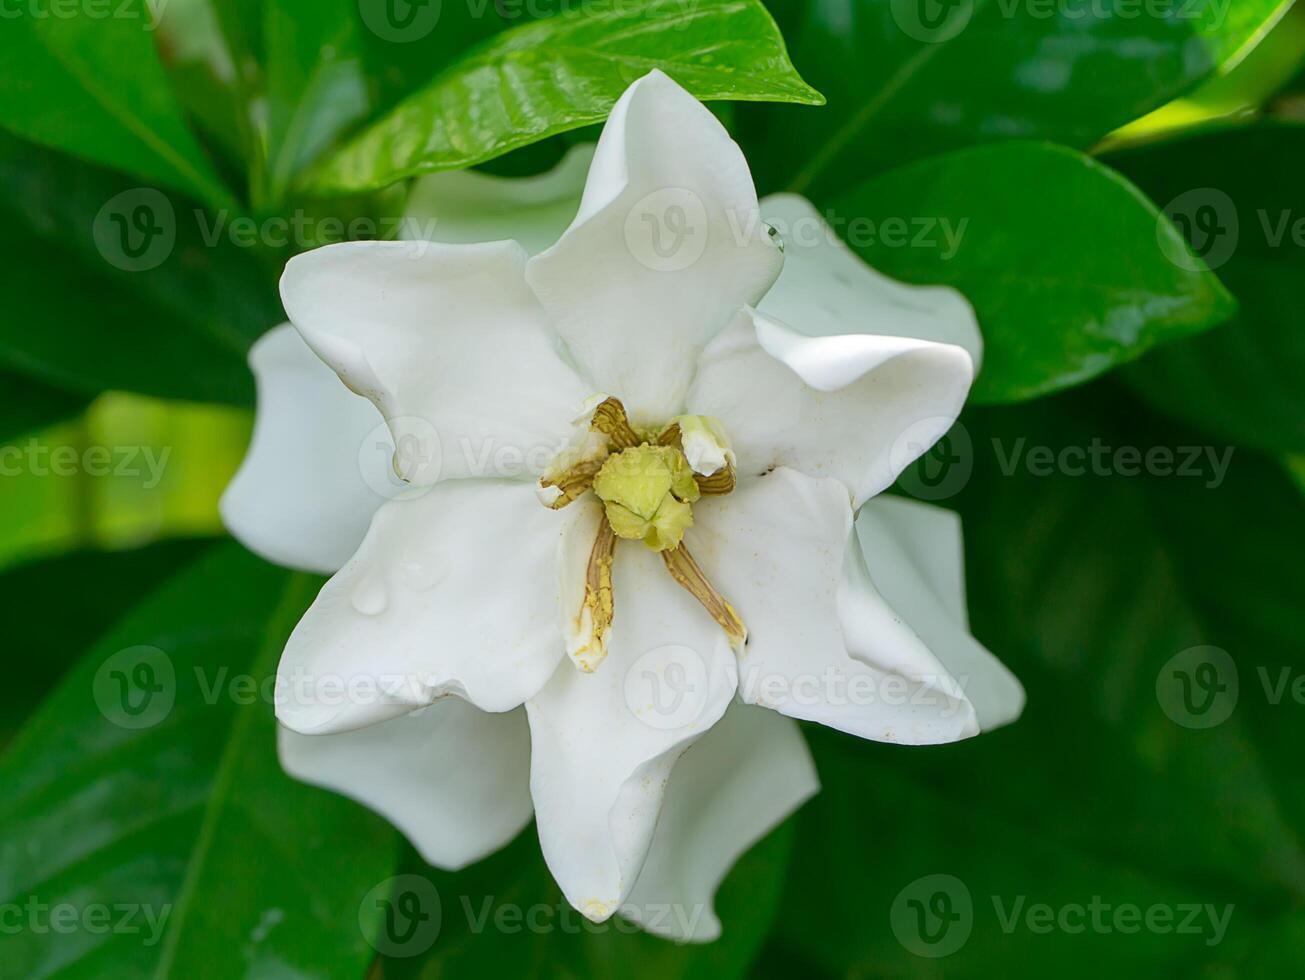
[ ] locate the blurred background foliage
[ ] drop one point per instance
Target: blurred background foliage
(1085, 585)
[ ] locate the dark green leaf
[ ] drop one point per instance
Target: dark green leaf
(1239, 195)
(405, 45)
(87, 79)
(201, 74)
(46, 638)
(172, 804)
(561, 73)
(1070, 269)
(316, 86)
(1110, 788)
(909, 78)
(29, 405)
(162, 300)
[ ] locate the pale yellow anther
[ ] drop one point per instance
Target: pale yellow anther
(686, 571)
(705, 445)
(588, 647)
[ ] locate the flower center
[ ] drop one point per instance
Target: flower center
(647, 481)
(646, 492)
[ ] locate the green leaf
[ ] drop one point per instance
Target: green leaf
(29, 405)
(201, 75)
(180, 811)
(169, 310)
(128, 471)
(485, 909)
(1088, 584)
(407, 45)
(561, 73)
(1070, 269)
(105, 582)
(88, 81)
(316, 85)
(1238, 193)
(909, 78)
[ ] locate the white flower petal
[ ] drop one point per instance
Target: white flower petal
(463, 206)
(822, 645)
(453, 592)
(856, 407)
(913, 552)
(455, 780)
(825, 289)
(300, 497)
(603, 743)
(729, 789)
(449, 343)
(667, 244)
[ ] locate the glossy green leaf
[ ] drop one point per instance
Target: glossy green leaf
(1239, 195)
(1118, 785)
(86, 79)
(1070, 269)
(910, 78)
(166, 299)
(561, 73)
(149, 781)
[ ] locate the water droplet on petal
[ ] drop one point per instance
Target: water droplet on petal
(368, 596)
(422, 573)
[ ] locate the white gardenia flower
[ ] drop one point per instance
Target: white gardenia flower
(638, 531)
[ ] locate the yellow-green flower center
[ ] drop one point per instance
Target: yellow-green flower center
(647, 491)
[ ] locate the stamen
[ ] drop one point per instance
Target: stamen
(686, 571)
(610, 419)
(719, 483)
(721, 480)
(573, 482)
(595, 616)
